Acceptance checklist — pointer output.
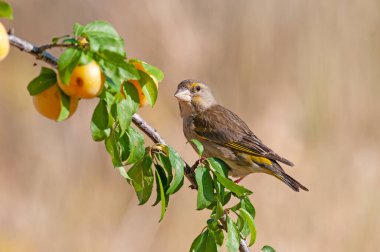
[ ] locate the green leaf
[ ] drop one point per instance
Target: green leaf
(105, 40)
(148, 87)
(205, 242)
(219, 236)
(198, 146)
(85, 59)
(43, 81)
(164, 181)
(153, 71)
(99, 27)
(162, 195)
(128, 71)
(198, 242)
(242, 226)
(178, 166)
(117, 58)
(109, 98)
(251, 225)
(113, 148)
(205, 187)
(100, 115)
(216, 231)
(67, 62)
(6, 10)
(233, 238)
(132, 146)
(210, 244)
(77, 29)
(149, 69)
(219, 211)
(232, 186)
(219, 166)
(117, 73)
(142, 178)
(165, 163)
(99, 122)
(128, 106)
(219, 194)
(65, 106)
(124, 116)
(267, 248)
(247, 205)
(111, 71)
(226, 198)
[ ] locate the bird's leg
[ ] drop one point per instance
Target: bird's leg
(239, 179)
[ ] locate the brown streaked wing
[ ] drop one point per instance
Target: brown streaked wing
(224, 127)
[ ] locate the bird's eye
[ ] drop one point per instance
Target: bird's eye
(198, 88)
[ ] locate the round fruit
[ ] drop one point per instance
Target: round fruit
(48, 103)
(86, 81)
(4, 42)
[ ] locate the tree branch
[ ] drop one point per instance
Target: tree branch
(42, 55)
(51, 46)
(156, 138)
(33, 50)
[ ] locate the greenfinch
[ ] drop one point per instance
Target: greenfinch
(227, 137)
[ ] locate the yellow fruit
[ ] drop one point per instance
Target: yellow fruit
(48, 103)
(4, 42)
(86, 81)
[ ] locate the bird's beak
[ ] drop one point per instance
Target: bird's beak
(183, 95)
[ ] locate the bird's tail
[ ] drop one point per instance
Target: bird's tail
(291, 182)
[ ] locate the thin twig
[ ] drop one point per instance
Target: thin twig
(156, 138)
(33, 50)
(26, 46)
(50, 46)
(147, 129)
(243, 247)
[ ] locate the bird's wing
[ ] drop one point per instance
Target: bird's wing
(220, 125)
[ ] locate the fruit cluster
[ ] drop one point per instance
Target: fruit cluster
(94, 64)
(87, 82)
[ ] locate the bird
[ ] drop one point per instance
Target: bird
(227, 137)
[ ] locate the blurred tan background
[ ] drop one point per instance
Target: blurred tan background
(303, 74)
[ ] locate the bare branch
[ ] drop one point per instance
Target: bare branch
(42, 55)
(243, 247)
(25, 46)
(147, 129)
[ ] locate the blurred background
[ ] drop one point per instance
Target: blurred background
(303, 74)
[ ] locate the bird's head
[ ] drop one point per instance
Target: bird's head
(193, 96)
